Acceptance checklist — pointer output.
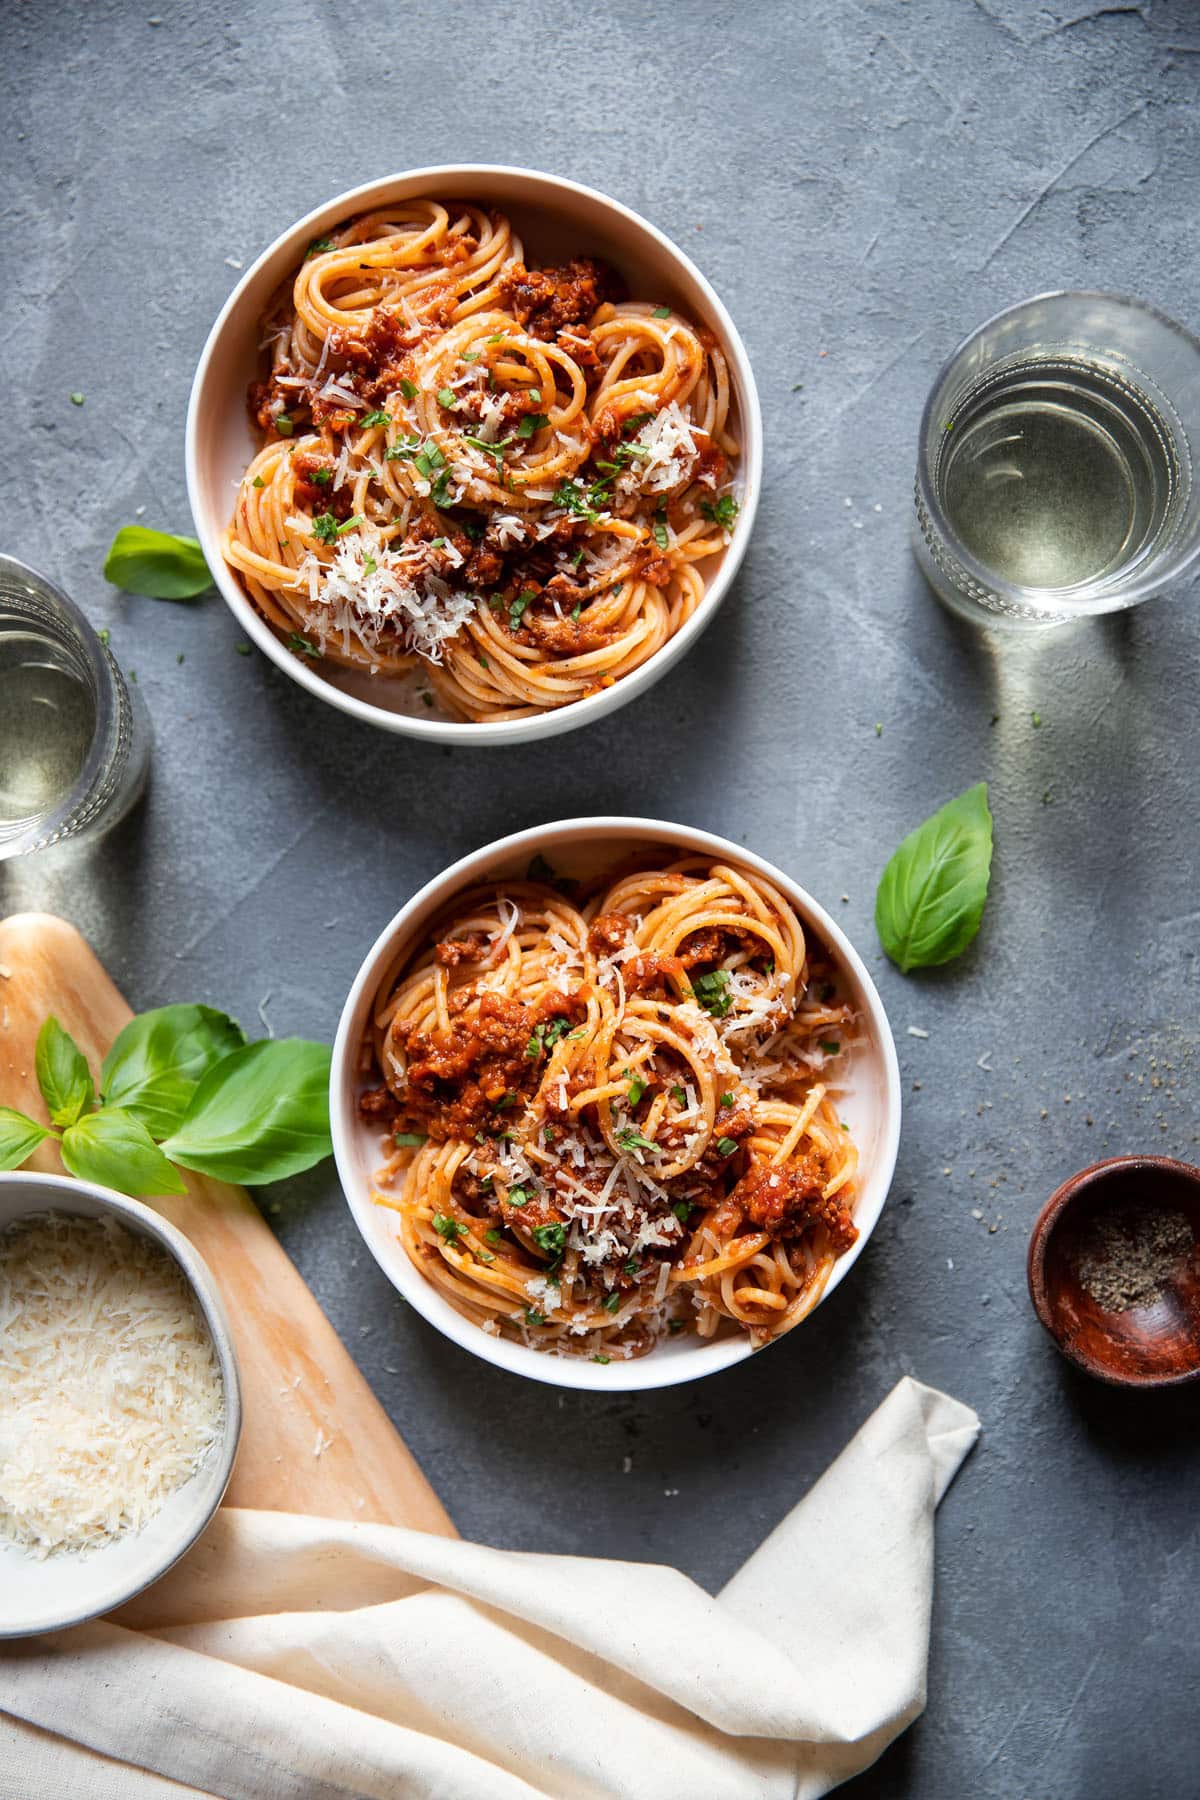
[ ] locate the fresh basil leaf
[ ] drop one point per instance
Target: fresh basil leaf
(19, 1137)
(62, 1074)
(156, 1063)
(157, 563)
(115, 1149)
(932, 892)
(259, 1115)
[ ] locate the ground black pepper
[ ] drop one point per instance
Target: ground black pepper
(1125, 1255)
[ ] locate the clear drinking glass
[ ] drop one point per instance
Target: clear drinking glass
(74, 740)
(1057, 471)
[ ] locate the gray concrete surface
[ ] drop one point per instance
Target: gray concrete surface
(863, 183)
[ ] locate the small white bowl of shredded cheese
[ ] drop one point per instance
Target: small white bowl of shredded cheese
(120, 1407)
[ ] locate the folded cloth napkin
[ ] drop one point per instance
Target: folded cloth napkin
(289, 1658)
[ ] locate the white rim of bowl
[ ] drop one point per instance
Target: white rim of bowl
(578, 712)
(563, 1371)
(202, 1284)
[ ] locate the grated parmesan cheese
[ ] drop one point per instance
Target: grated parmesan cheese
(369, 589)
(111, 1396)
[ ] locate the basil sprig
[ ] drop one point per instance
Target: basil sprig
(157, 564)
(266, 1104)
(931, 894)
(180, 1086)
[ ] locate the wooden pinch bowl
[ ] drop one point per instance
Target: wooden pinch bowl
(1151, 1344)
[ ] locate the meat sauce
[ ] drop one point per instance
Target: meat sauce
(463, 1080)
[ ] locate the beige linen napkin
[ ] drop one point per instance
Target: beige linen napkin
(290, 1658)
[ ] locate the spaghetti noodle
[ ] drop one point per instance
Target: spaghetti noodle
(613, 1117)
(507, 478)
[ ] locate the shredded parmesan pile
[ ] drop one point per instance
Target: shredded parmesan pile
(368, 588)
(110, 1393)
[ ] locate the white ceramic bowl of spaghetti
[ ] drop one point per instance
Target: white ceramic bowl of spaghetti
(520, 549)
(692, 1137)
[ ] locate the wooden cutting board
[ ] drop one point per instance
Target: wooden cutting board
(314, 1437)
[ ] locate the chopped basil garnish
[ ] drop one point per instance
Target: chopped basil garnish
(448, 398)
(551, 1238)
(516, 610)
(661, 312)
(301, 645)
(325, 528)
(612, 1304)
(633, 1140)
(530, 423)
(410, 1140)
(447, 1229)
(726, 1146)
(713, 992)
(378, 417)
(409, 389)
(722, 512)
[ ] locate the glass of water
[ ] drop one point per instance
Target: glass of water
(1057, 468)
(74, 741)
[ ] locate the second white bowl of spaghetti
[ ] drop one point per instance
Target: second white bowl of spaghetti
(474, 453)
(614, 1103)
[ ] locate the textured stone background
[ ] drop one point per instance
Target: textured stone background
(863, 183)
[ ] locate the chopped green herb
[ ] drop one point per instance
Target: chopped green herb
(104, 634)
(713, 992)
(242, 650)
(498, 338)
(726, 1099)
(660, 533)
(675, 1326)
(722, 512)
(302, 646)
(483, 661)
(533, 1316)
(633, 1140)
(637, 1088)
(493, 1236)
(258, 482)
(517, 608)
(726, 1146)
(551, 1238)
(179, 658)
(505, 1101)
(530, 423)
(449, 1230)
(484, 1256)
(679, 1097)
(661, 312)
(633, 1267)
(325, 528)
(410, 1140)
(436, 543)
(369, 564)
(576, 610)
(284, 424)
(1037, 720)
(76, 398)
(612, 1304)
(409, 389)
(682, 1210)
(378, 417)
(350, 523)
(602, 1359)
(545, 1036)
(830, 1047)
(636, 422)
(469, 356)
(403, 450)
(318, 247)
(448, 398)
